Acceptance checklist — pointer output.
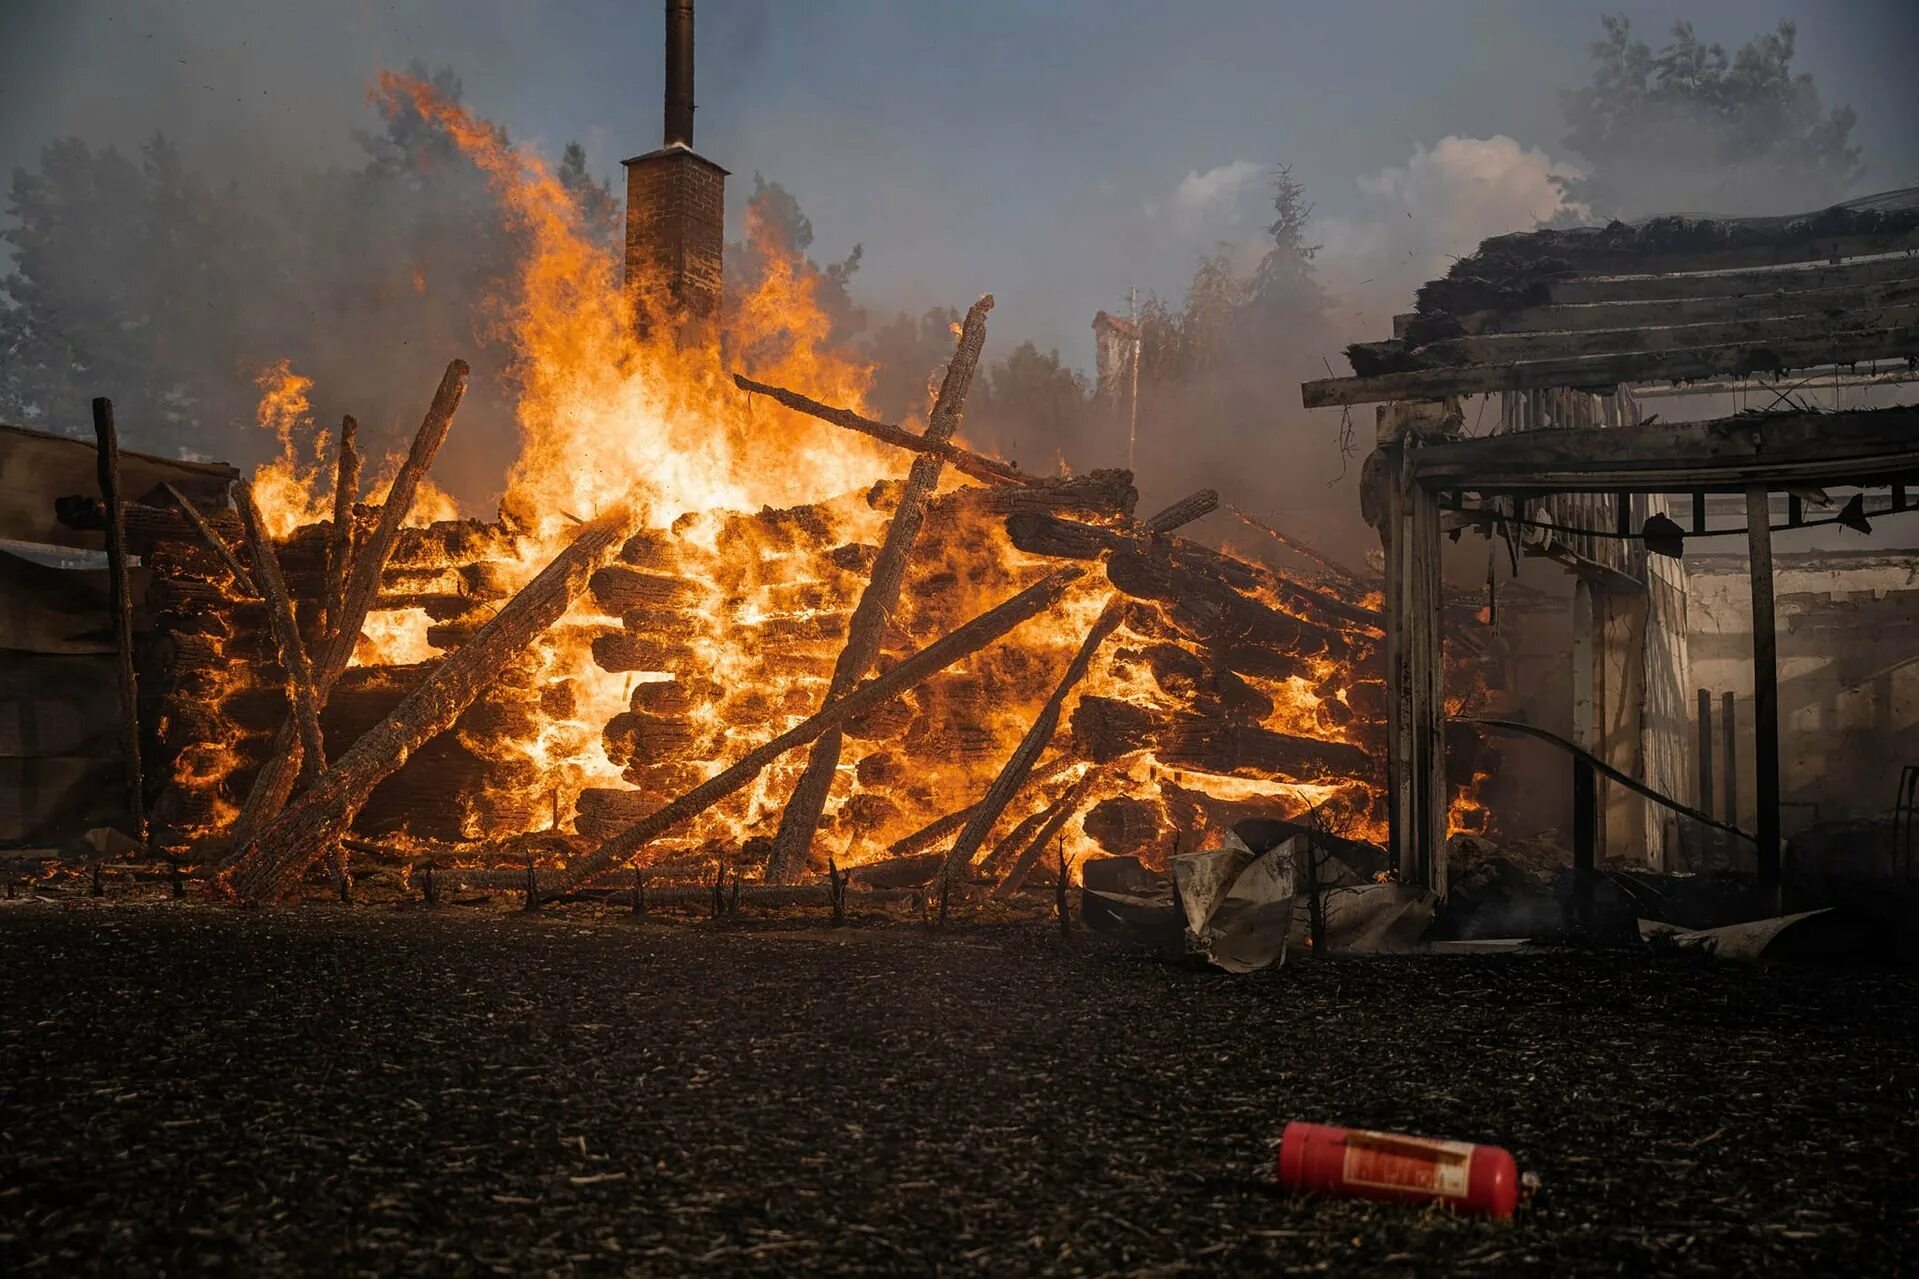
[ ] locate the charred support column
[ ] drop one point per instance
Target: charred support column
(107, 443)
(1415, 744)
(1585, 837)
(1765, 692)
(1704, 760)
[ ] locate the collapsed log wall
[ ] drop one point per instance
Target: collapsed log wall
(723, 629)
(213, 691)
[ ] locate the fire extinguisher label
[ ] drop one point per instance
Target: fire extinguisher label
(1392, 1162)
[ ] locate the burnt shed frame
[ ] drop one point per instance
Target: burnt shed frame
(1556, 320)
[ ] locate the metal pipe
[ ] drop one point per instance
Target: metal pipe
(679, 73)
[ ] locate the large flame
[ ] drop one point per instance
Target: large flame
(735, 619)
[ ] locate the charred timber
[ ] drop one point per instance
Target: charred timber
(107, 459)
(1057, 816)
(1013, 775)
(286, 633)
(346, 492)
(983, 469)
(274, 860)
(1105, 728)
(275, 781)
(799, 820)
(935, 657)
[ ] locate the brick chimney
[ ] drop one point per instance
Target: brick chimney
(675, 209)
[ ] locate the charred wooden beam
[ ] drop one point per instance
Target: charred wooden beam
(286, 633)
(214, 542)
(108, 465)
(1013, 775)
(346, 491)
(984, 469)
(1304, 551)
(1870, 341)
(273, 861)
(275, 781)
(1061, 812)
(791, 844)
(935, 657)
(1779, 450)
(1105, 728)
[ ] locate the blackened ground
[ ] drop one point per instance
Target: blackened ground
(192, 1088)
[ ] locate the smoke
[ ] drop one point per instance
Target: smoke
(1411, 221)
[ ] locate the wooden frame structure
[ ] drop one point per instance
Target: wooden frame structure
(1564, 324)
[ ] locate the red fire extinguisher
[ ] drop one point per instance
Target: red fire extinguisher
(1321, 1159)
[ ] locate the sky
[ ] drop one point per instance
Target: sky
(1051, 152)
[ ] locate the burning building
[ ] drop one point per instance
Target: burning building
(721, 618)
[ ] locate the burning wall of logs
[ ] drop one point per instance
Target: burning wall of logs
(1170, 690)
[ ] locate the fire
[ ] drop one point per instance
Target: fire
(720, 625)
(290, 489)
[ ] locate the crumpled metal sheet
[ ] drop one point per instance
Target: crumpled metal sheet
(1371, 918)
(1238, 905)
(1809, 936)
(1229, 905)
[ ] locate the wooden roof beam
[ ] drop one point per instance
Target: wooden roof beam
(1670, 335)
(1775, 302)
(1605, 371)
(1729, 454)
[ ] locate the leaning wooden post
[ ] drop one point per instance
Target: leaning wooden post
(285, 629)
(983, 469)
(908, 673)
(786, 862)
(274, 782)
(276, 858)
(214, 542)
(346, 491)
(1062, 812)
(121, 599)
(1765, 692)
(1013, 774)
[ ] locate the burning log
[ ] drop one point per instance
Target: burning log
(1020, 763)
(1222, 618)
(1107, 493)
(275, 781)
(214, 542)
(623, 651)
(801, 817)
(619, 589)
(1043, 534)
(983, 469)
(286, 634)
(275, 859)
(108, 469)
(346, 490)
(1105, 728)
(641, 735)
(935, 657)
(1124, 825)
(674, 696)
(1060, 813)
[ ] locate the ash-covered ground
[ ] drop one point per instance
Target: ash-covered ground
(198, 1089)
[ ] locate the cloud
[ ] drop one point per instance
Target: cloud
(1217, 204)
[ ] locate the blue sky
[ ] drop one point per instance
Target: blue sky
(1035, 150)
